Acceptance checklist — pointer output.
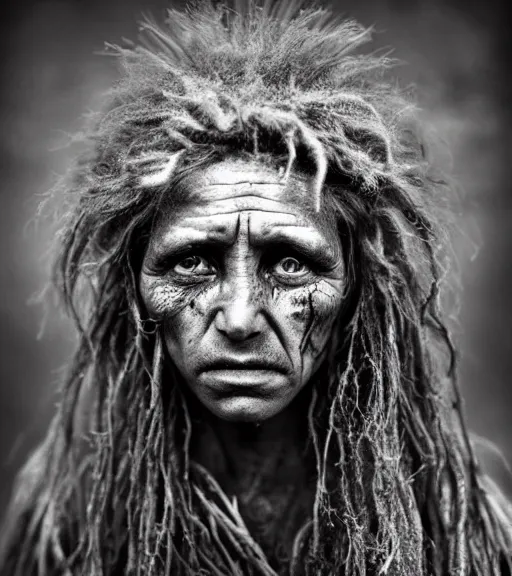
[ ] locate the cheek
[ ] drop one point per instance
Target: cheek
(313, 311)
(163, 299)
(166, 301)
(180, 310)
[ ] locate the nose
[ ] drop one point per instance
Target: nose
(239, 317)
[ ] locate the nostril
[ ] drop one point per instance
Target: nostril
(239, 335)
(238, 326)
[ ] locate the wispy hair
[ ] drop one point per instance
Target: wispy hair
(113, 490)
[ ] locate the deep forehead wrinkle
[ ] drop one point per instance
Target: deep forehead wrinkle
(249, 183)
(215, 198)
(207, 207)
(232, 179)
(266, 191)
(250, 226)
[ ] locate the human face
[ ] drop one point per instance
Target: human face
(247, 281)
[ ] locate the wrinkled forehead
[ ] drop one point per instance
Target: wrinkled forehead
(235, 186)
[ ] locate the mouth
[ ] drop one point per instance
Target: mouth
(248, 378)
(228, 365)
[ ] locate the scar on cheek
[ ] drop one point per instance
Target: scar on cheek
(315, 308)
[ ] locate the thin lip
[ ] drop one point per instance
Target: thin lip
(243, 364)
(254, 390)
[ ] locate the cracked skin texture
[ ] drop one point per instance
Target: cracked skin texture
(245, 267)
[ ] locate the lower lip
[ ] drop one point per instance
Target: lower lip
(240, 381)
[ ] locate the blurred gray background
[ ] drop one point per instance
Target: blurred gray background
(455, 52)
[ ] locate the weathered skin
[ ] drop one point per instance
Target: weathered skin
(226, 274)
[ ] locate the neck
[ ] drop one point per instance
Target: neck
(267, 467)
(235, 451)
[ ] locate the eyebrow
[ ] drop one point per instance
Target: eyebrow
(321, 258)
(315, 248)
(308, 243)
(163, 252)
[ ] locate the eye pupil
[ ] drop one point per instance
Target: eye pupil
(290, 265)
(193, 265)
(190, 262)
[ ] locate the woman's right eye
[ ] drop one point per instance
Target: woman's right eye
(194, 265)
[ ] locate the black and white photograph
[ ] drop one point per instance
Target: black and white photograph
(256, 288)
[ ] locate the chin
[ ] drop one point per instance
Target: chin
(245, 409)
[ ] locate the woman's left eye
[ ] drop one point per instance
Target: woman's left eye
(193, 265)
(291, 267)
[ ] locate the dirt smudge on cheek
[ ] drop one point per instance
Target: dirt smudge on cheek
(301, 312)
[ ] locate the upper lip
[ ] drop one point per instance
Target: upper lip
(225, 362)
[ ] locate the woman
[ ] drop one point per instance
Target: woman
(264, 382)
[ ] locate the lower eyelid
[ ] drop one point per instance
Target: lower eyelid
(209, 272)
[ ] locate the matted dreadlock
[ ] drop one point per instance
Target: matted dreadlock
(112, 490)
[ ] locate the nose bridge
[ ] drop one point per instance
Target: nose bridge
(239, 299)
(240, 314)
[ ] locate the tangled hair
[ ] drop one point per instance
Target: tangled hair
(113, 490)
